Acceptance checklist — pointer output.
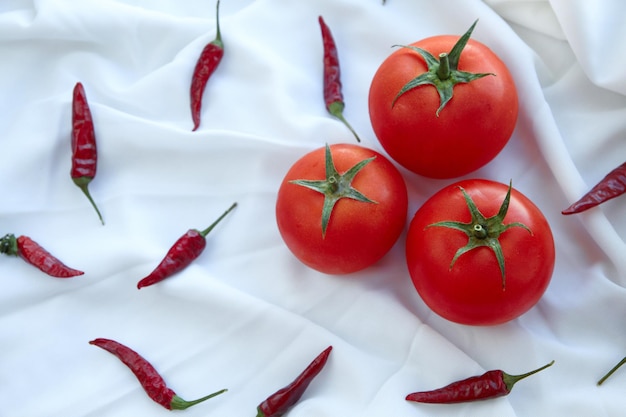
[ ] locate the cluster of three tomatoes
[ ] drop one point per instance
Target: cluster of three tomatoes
(478, 251)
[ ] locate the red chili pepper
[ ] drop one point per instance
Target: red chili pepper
(34, 254)
(333, 95)
(612, 185)
(84, 150)
(278, 403)
(615, 368)
(187, 248)
(151, 381)
(210, 57)
(491, 384)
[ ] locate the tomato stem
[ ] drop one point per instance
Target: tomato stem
(483, 231)
(336, 186)
(443, 72)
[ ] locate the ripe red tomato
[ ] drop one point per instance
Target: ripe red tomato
(472, 128)
(472, 289)
(358, 233)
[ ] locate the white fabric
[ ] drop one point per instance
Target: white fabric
(246, 315)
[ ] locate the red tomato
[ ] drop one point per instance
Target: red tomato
(358, 233)
(472, 128)
(472, 290)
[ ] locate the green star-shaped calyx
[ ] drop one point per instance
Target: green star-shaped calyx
(482, 231)
(443, 73)
(336, 186)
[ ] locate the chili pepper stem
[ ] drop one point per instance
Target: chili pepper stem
(218, 34)
(336, 109)
(179, 404)
(82, 183)
(8, 245)
(510, 380)
(208, 229)
(615, 368)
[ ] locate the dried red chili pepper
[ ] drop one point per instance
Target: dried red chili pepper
(333, 95)
(34, 254)
(187, 248)
(278, 403)
(151, 381)
(611, 186)
(84, 150)
(615, 368)
(491, 384)
(210, 57)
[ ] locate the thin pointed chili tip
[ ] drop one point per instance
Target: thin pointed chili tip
(207, 63)
(83, 142)
(491, 384)
(282, 400)
(34, 254)
(151, 381)
(333, 95)
(611, 186)
(184, 251)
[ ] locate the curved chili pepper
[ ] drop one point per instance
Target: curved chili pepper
(333, 96)
(187, 248)
(491, 384)
(34, 254)
(611, 186)
(278, 403)
(210, 57)
(84, 150)
(151, 381)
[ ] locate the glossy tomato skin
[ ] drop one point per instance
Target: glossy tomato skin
(471, 129)
(358, 233)
(471, 291)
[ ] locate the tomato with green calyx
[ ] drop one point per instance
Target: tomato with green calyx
(480, 253)
(341, 208)
(444, 106)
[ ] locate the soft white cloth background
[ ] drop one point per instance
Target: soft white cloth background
(246, 315)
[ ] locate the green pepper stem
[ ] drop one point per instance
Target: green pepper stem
(510, 380)
(336, 109)
(8, 245)
(82, 183)
(208, 229)
(615, 368)
(218, 35)
(178, 403)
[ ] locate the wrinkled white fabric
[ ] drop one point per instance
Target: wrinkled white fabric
(246, 315)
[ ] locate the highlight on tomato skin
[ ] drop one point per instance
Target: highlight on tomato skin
(359, 228)
(474, 289)
(445, 142)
